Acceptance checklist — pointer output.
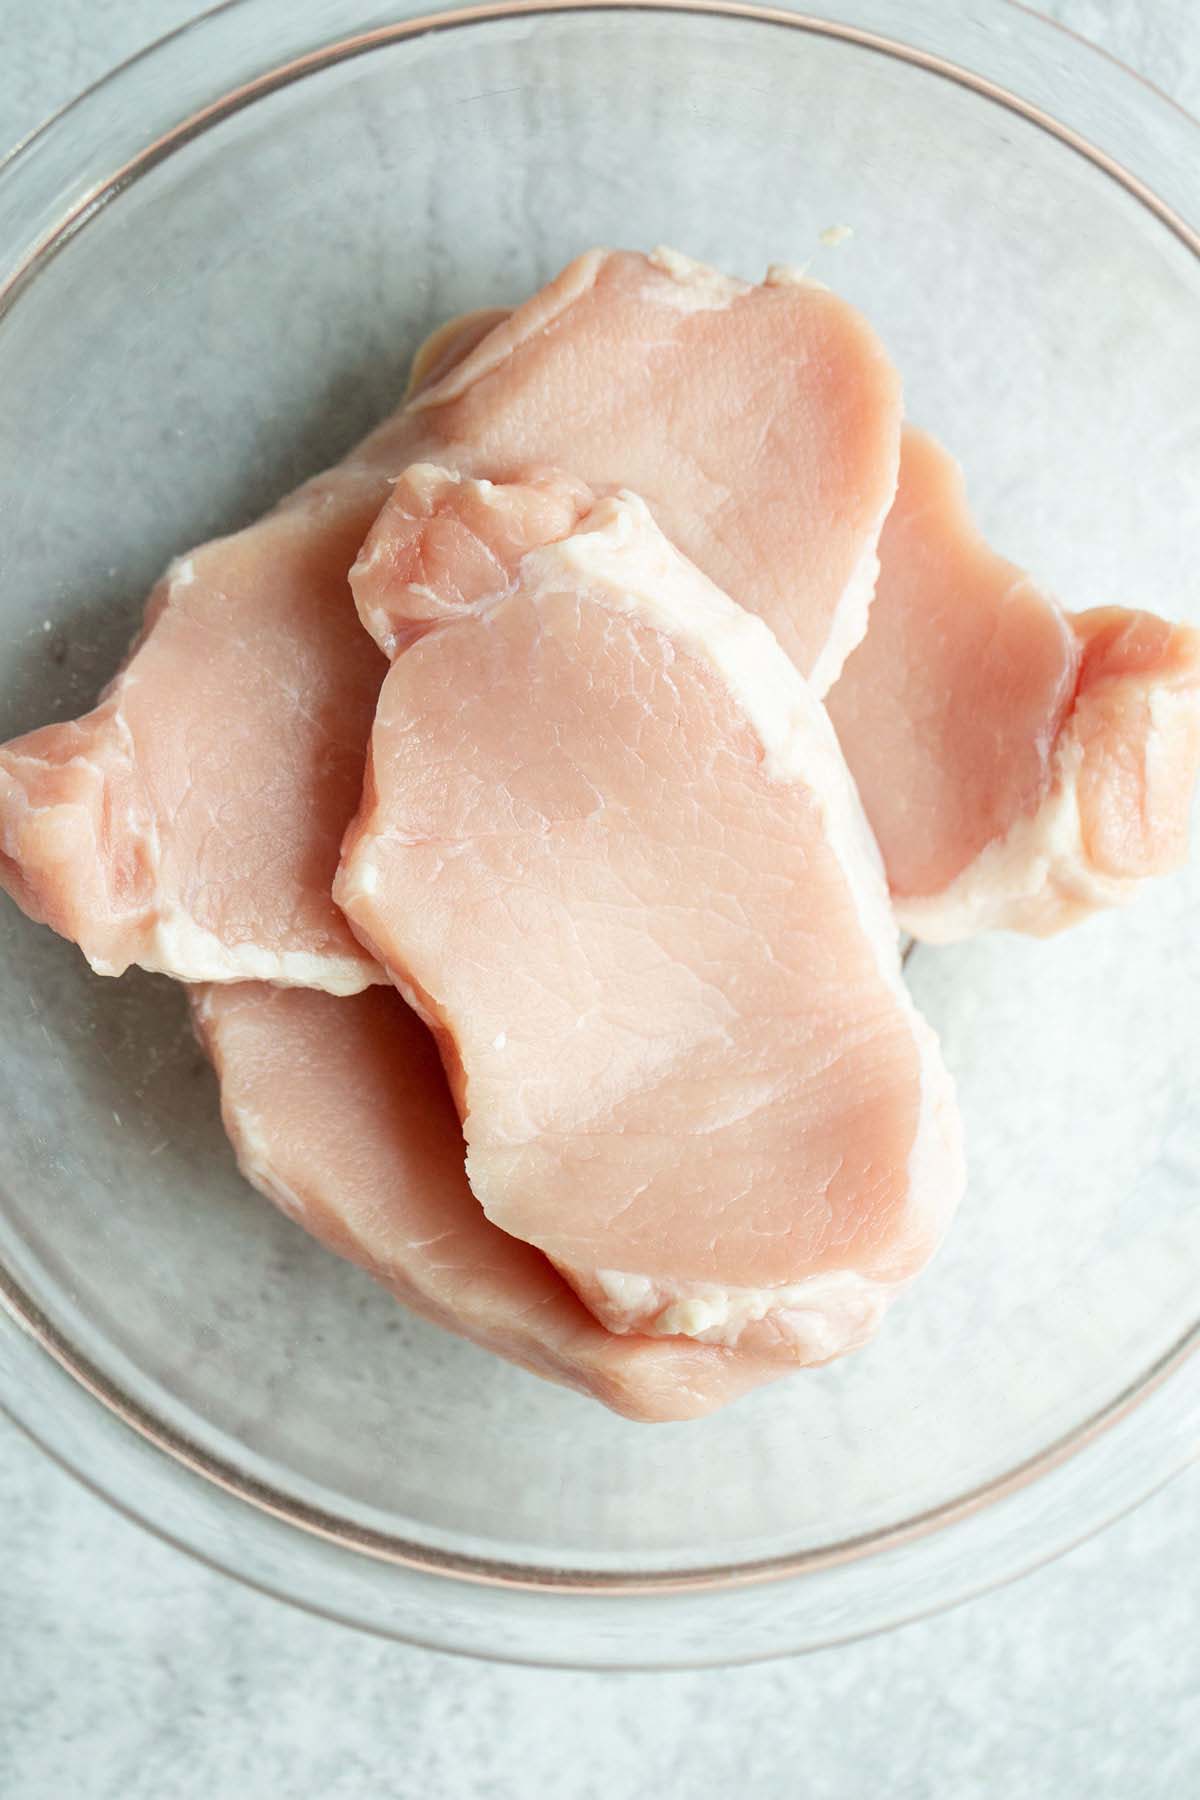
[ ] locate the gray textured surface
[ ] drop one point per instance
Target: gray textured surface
(127, 1671)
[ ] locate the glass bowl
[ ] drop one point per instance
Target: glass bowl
(217, 264)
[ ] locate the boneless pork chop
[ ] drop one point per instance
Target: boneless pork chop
(191, 823)
(1020, 766)
(761, 425)
(338, 1111)
(609, 848)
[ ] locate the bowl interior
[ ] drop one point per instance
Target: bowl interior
(232, 320)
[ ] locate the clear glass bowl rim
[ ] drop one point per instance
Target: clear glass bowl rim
(51, 184)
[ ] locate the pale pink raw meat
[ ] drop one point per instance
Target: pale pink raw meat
(610, 850)
(760, 424)
(338, 1112)
(191, 823)
(445, 348)
(1020, 766)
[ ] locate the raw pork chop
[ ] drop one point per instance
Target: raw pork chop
(609, 848)
(445, 348)
(1020, 766)
(339, 1112)
(761, 425)
(191, 823)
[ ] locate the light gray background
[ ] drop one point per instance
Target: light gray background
(128, 1671)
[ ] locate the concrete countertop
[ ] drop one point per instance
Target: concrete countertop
(127, 1671)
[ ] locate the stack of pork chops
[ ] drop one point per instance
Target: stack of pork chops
(556, 774)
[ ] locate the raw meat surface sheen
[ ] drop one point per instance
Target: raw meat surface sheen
(338, 1111)
(1014, 776)
(191, 823)
(610, 849)
(1020, 766)
(761, 425)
